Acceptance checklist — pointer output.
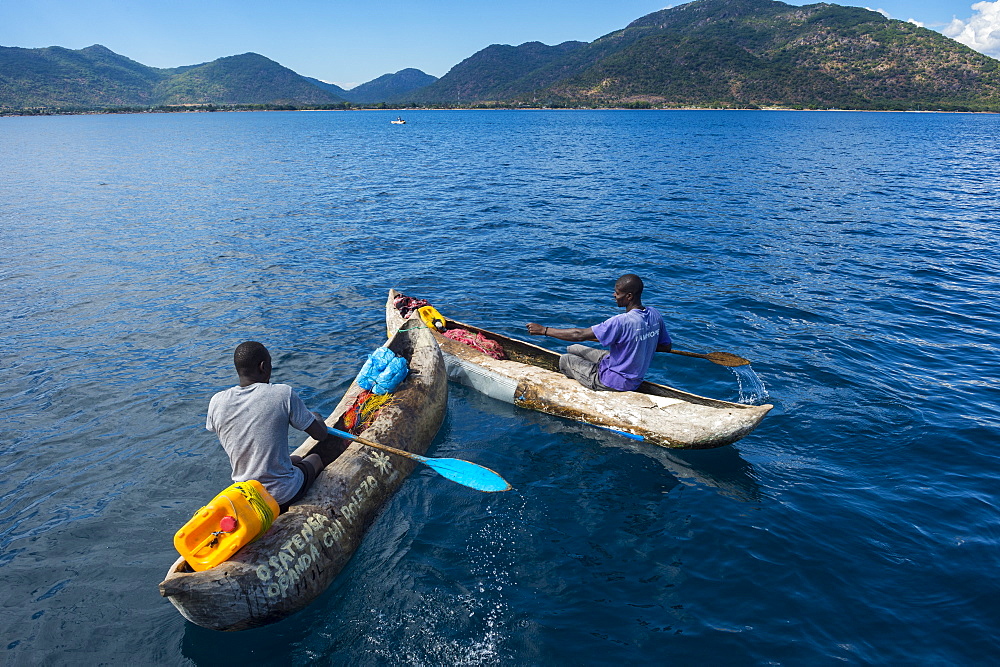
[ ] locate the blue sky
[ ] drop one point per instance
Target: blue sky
(352, 42)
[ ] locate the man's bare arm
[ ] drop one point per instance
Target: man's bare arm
(317, 430)
(575, 335)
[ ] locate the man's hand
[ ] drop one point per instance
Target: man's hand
(536, 329)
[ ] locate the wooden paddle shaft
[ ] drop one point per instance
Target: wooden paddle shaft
(689, 354)
(721, 358)
(363, 441)
(387, 448)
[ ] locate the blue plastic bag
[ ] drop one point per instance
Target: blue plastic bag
(382, 372)
(394, 373)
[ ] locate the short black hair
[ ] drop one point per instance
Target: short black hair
(249, 356)
(630, 283)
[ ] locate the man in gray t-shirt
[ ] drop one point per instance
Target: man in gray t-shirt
(252, 422)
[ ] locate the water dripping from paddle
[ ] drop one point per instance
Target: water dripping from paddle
(752, 389)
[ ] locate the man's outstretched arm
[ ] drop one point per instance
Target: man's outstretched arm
(575, 335)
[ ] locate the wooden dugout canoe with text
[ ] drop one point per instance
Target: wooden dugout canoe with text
(308, 546)
(530, 378)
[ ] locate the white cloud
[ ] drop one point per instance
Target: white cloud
(981, 32)
(888, 16)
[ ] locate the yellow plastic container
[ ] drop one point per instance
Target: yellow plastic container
(432, 318)
(204, 543)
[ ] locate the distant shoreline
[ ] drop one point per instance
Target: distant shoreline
(12, 113)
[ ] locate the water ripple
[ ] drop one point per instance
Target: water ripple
(852, 257)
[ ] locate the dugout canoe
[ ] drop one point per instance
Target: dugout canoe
(307, 546)
(529, 377)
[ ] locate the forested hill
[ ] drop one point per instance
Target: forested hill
(707, 53)
(97, 77)
(498, 72)
(738, 53)
(58, 77)
(246, 79)
(381, 89)
(390, 87)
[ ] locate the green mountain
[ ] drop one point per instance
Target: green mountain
(245, 79)
(331, 88)
(389, 86)
(497, 72)
(58, 77)
(96, 77)
(762, 52)
(739, 53)
(706, 53)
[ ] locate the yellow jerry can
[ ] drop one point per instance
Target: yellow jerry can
(432, 318)
(237, 516)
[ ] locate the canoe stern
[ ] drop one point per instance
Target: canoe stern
(308, 546)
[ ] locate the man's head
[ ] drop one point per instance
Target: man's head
(628, 290)
(252, 361)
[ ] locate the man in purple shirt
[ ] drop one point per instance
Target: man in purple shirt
(632, 338)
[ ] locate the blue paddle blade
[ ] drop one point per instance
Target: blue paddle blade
(468, 474)
(625, 433)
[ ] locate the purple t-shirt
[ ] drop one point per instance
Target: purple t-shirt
(632, 338)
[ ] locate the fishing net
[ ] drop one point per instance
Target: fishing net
(477, 340)
(406, 304)
(365, 410)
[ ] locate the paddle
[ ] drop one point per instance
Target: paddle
(633, 436)
(468, 474)
(721, 358)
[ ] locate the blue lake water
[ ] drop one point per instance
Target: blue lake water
(853, 257)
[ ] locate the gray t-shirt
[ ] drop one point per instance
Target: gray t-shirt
(252, 425)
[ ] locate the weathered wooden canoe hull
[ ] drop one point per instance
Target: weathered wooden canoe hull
(530, 378)
(307, 546)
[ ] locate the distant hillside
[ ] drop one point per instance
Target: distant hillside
(497, 72)
(331, 88)
(58, 77)
(762, 52)
(706, 53)
(97, 77)
(245, 79)
(741, 53)
(389, 86)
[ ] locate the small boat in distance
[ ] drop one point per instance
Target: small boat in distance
(398, 121)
